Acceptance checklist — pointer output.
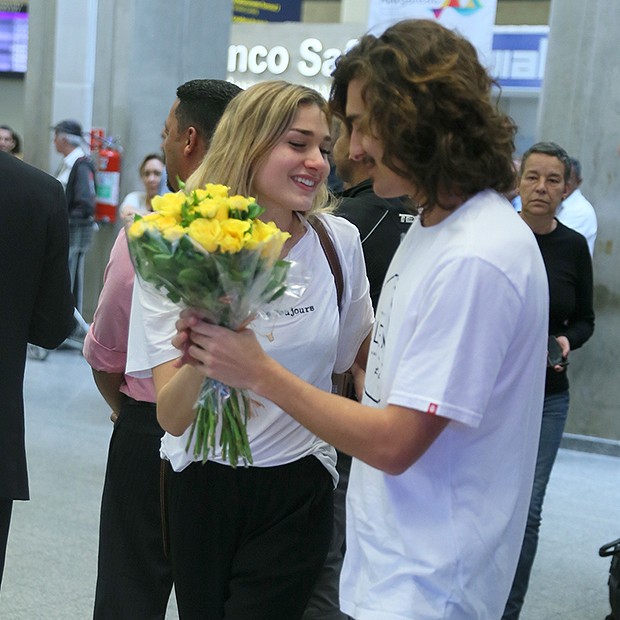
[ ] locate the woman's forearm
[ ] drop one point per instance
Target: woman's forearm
(177, 390)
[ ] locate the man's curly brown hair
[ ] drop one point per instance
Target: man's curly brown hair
(428, 99)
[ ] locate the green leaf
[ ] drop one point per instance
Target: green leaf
(174, 297)
(162, 261)
(189, 275)
(254, 210)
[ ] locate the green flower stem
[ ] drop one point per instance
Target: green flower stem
(230, 412)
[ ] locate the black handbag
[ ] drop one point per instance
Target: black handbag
(613, 549)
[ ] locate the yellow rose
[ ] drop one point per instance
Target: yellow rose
(165, 221)
(267, 236)
(239, 203)
(260, 231)
(174, 233)
(213, 208)
(137, 229)
(273, 246)
(151, 217)
(233, 235)
(198, 195)
(223, 211)
(169, 204)
(206, 208)
(216, 191)
(206, 232)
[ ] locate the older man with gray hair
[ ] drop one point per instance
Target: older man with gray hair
(77, 175)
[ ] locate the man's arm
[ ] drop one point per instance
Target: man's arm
(52, 318)
(109, 384)
(83, 203)
(105, 345)
(390, 439)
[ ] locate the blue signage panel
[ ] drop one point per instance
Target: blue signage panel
(259, 11)
(518, 57)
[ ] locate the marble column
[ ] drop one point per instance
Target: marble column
(580, 109)
(116, 65)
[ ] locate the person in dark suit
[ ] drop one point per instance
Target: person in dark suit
(36, 306)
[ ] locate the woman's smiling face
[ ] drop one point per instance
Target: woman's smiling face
(297, 166)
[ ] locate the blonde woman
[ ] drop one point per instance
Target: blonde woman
(250, 542)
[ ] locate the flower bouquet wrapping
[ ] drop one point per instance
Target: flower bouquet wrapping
(209, 251)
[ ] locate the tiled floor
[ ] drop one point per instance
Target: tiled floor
(51, 563)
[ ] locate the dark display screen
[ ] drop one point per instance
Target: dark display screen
(13, 42)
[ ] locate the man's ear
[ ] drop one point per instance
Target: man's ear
(191, 141)
(568, 188)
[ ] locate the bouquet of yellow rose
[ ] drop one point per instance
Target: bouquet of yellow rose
(209, 251)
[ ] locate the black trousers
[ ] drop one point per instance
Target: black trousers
(134, 577)
(248, 543)
(6, 507)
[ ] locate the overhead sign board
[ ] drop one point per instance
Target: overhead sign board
(305, 54)
(474, 19)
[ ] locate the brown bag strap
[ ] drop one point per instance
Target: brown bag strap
(342, 383)
(330, 253)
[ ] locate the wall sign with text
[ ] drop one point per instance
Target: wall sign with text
(259, 11)
(306, 53)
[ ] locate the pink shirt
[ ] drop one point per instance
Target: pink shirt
(105, 345)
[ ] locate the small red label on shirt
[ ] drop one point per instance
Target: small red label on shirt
(432, 408)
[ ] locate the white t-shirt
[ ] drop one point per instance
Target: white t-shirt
(310, 338)
(460, 332)
(577, 213)
(134, 202)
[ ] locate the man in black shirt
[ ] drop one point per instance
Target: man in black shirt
(382, 222)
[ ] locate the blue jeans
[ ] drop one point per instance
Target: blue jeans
(555, 410)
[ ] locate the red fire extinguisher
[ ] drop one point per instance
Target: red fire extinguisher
(108, 157)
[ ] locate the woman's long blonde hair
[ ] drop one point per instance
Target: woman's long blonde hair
(248, 131)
